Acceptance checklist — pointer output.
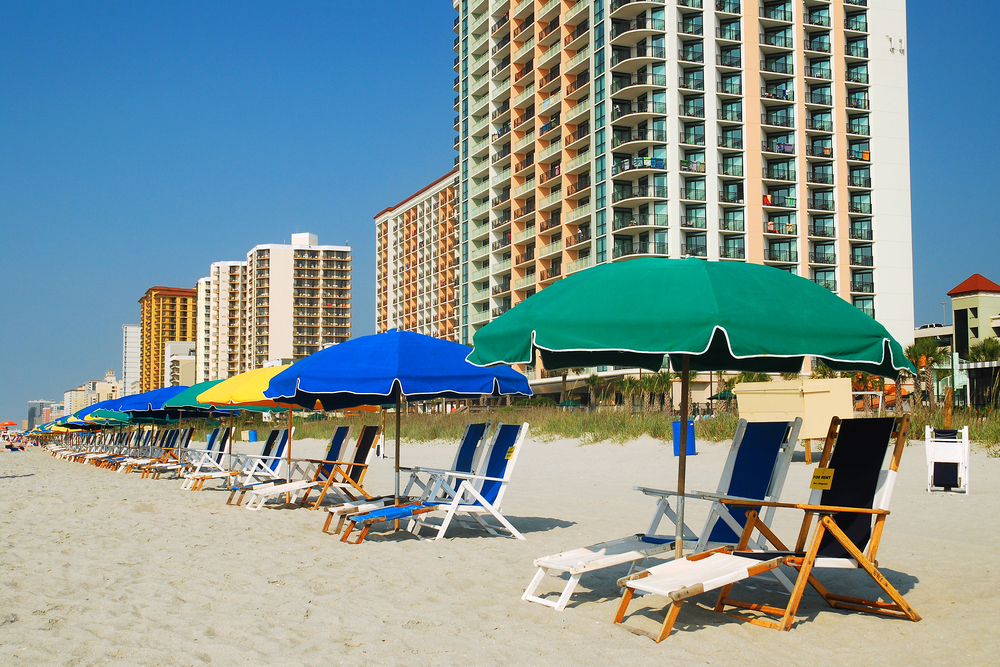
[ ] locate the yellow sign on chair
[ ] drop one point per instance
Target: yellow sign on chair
(510, 452)
(822, 479)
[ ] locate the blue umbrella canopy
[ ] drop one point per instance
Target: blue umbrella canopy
(391, 366)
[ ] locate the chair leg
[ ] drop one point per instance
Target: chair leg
(574, 579)
(668, 622)
(623, 607)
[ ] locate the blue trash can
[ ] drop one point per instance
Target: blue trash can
(252, 436)
(690, 438)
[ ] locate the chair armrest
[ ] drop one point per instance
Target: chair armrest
(463, 475)
(824, 509)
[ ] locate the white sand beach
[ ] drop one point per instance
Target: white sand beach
(98, 567)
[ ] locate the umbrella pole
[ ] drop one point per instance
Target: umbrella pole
(288, 467)
(396, 503)
(682, 458)
(229, 445)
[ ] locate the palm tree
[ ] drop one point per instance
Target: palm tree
(926, 352)
(650, 385)
(664, 382)
(823, 372)
(594, 381)
(629, 386)
(987, 349)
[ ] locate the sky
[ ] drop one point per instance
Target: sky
(140, 142)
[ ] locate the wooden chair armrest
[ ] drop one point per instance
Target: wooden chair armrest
(824, 509)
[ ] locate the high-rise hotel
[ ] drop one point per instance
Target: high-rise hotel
(593, 131)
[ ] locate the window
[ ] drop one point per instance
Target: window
(974, 313)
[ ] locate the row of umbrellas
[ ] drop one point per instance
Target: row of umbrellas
(645, 312)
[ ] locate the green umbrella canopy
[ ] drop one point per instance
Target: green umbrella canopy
(570, 403)
(724, 395)
(723, 315)
(107, 417)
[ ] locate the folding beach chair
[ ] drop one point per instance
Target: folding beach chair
(755, 469)
(476, 495)
(948, 453)
(209, 464)
(466, 458)
(311, 472)
(264, 466)
(345, 478)
(860, 478)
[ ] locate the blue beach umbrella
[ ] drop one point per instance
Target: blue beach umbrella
(388, 368)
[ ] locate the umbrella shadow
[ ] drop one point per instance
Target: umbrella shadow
(30, 474)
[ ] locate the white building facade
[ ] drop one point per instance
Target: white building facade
(222, 322)
(131, 349)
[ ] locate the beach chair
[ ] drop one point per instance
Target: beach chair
(466, 458)
(852, 510)
(476, 495)
(345, 478)
(311, 472)
(174, 459)
(755, 469)
(210, 459)
(948, 453)
(265, 466)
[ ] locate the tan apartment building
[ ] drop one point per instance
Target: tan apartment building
(222, 307)
(165, 314)
(418, 262)
(298, 298)
(592, 131)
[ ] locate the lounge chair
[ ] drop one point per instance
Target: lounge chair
(475, 496)
(345, 478)
(755, 469)
(852, 510)
(311, 472)
(948, 454)
(467, 455)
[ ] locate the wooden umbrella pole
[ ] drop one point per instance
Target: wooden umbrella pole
(682, 458)
(229, 445)
(288, 467)
(398, 407)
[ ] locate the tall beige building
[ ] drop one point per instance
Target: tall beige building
(592, 131)
(223, 311)
(298, 298)
(417, 262)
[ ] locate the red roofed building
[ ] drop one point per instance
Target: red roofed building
(975, 305)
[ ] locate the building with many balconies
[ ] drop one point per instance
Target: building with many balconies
(166, 314)
(593, 131)
(222, 312)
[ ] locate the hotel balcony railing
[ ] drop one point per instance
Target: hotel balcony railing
(777, 120)
(502, 243)
(857, 127)
(730, 169)
(580, 185)
(526, 256)
(856, 3)
(692, 166)
(622, 166)
(778, 147)
(577, 33)
(693, 222)
(620, 110)
(858, 154)
(695, 194)
(502, 288)
(773, 39)
(501, 66)
(857, 77)
(501, 132)
(733, 34)
(731, 225)
(693, 110)
(528, 114)
(778, 13)
(690, 28)
(777, 67)
(866, 309)
(547, 30)
(822, 231)
(862, 287)
(528, 68)
(499, 310)
(693, 4)
(648, 192)
(640, 248)
(504, 152)
(691, 83)
(622, 55)
(819, 124)
(501, 22)
(728, 6)
(858, 181)
(780, 173)
(504, 41)
(579, 83)
(525, 163)
(503, 219)
(525, 210)
(778, 94)
(856, 23)
(822, 258)
(729, 60)
(551, 173)
(822, 46)
(731, 142)
(817, 19)
(620, 138)
(640, 220)
(862, 260)
(499, 199)
(639, 79)
(525, 24)
(826, 282)
(825, 99)
(694, 250)
(859, 207)
(818, 150)
(775, 255)
(731, 198)
(732, 252)
(693, 138)
(549, 274)
(819, 72)
(578, 238)
(783, 228)
(856, 50)
(553, 123)
(691, 55)
(729, 87)
(640, 23)
(820, 204)
(549, 78)
(549, 224)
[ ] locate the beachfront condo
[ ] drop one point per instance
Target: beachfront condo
(592, 131)
(165, 314)
(222, 322)
(417, 262)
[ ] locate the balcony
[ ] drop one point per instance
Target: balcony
(691, 83)
(578, 83)
(653, 108)
(503, 219)
(549, 78)
(822, 231)
(864, 207)
(577, 33)
(819, 150)
(828, 283)
(820, 46)
(690, 28)
(502, 288)
(856, 50)
(524, 210)
(499, 310)
(731, 33)
(641, 79)
(731, 225)
(551, 173)
(644, 136)
(640, 220)
(729, 169)
(860, 234)
(693, 222)
(776, 255)
(858, 154)
(730, 88)
(820, 204)
(778, 147)
(730, 197)
(862, 260)
(727, 6)
(783, 94)
(552, 26)
(500, 244)
(777, 39)
(622, 55)
(729, 60)
(856, 76)
(856, 23)
(732, 252)
(641, 23)
(695, 194)
(776, 13)
(648, 192)
(862, 287)
(814, 97)
(621, 166)
(500, 199)
(692, 110)
(822, 258)
(528, 114)
(694, 138)
(859, 181)
(580, 185)
(817, 19)
(777, 67)
(549, 274)
(640, 248)
(500, 23)
(780, 173)
(782, 228)
(691, 55)
(527, 256)
(694, 250)
(819, 125)
(692, 166)
(728, 141)
(777, 120)
(578, 238)
(819, 72)
(525, 163)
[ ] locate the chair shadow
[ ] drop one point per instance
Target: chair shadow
(30, 474)
(383, 532)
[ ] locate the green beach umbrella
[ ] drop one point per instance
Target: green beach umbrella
(705, 315)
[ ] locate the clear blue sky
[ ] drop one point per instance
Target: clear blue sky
(139, 142)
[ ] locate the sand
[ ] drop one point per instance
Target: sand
(98, 567)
